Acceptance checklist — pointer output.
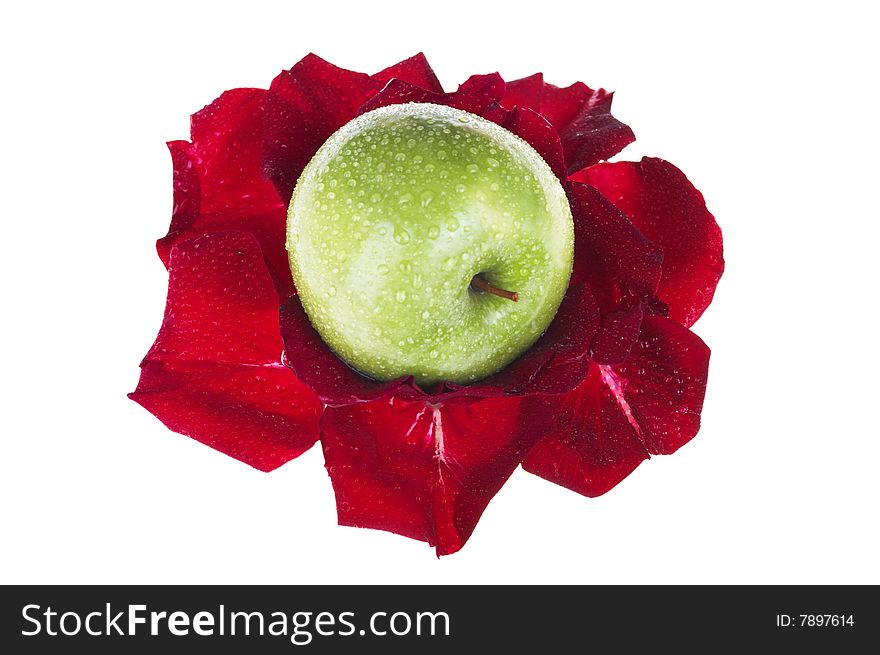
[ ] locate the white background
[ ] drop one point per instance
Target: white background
(771, 109)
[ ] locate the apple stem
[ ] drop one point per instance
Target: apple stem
(479, 283)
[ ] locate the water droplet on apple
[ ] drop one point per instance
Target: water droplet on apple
(410, 143)
(426, 198)
(383, 269)
(434, 354)
(429, 168)
(404, 199)
(452, 224)
(433, 232)
(375, 197)
(492, 162)
(400, 296)
(399, 156)
(494, 186)
(464, 119)
(405, 266)
(473, 168)
(426, 315)
(401, 235)
(330, 195)
(331, 291)
(333, 183)
(460, 188)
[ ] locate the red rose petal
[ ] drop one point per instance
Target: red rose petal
(215, 371)
(611, 255)
(479, 94)
(667, 209)
(664, 382)
(219, 185)
(263, 418)
(581, 116)
(422, 470)
(226, 153)
(305, 106)
(596, 449)
(537, 132)
(617, 335)
(399, 92)
(314, 99)
(187, 192)
(649, 404)
(416, 70)
(594, 134)
(558, 105)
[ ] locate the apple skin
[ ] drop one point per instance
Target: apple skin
(394, 216)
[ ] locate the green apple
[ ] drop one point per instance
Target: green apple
(427, 241)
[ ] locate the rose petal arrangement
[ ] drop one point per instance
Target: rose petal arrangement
(617, 377)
